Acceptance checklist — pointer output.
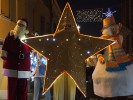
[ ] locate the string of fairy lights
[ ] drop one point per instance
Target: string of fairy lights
(92, 15)
(89, 15)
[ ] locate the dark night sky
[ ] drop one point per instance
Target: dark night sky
(92, 28)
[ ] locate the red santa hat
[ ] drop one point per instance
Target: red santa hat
(22, 22)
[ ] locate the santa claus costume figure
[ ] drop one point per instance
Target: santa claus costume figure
(113, 74)
(16, 61)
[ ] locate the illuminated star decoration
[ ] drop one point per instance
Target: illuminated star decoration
(66, 51)
(109, 13)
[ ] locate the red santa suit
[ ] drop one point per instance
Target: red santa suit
(16, 67)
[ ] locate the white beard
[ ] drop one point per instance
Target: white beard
(19, 32)
(21, 36)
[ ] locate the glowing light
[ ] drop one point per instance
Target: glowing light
(31, 56)
(44, 61)
(79, 39)
(66, 39)
(47, 39)
(32, 78)
(109, 13)
(78, 27)
(88, 52)
(54, 39)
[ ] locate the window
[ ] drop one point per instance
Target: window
(5, 8)
(8, 9)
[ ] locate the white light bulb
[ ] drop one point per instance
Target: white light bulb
(88, 52)
(66, 39)
(54, 39)
(78, 27)
(47, 39)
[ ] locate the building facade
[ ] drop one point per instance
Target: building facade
(127, 20)
(42, 15)
(39, 13)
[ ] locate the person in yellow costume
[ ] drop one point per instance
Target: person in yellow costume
(113, 74)
(64, 88)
